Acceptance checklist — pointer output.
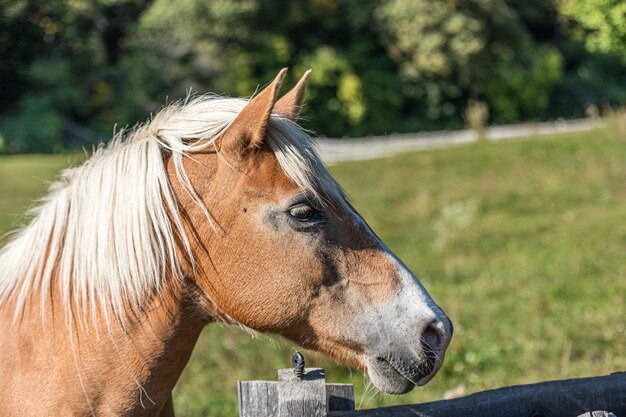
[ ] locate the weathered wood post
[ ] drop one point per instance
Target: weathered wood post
(299, 392)
(303, 395)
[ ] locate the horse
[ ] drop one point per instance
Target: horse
(216, 210)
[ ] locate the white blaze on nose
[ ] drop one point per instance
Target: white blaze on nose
(436, 326)
(412, 305)
(411, 293)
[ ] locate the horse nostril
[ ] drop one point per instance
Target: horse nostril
(432, 336)
(437, 335)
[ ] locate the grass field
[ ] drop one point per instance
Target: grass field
(522, 243)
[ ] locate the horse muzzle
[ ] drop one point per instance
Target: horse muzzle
(396, 367)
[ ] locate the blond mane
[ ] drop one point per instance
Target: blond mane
(106, 231)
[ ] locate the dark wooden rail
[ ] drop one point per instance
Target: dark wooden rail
(568, 398)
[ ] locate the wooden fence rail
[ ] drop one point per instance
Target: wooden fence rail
(568, 398)
(306, 394)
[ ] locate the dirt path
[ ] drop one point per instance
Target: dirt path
(337, 150)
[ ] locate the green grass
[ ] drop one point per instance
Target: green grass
(23, 179)
(522, 243)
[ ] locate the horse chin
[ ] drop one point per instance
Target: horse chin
(387, 378)
(390, 377)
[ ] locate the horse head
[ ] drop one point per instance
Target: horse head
(284, 252)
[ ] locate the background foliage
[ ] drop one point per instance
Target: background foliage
(72, 69)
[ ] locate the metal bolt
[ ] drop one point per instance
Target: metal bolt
(297, 361)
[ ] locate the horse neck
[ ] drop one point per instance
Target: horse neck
(119, 370)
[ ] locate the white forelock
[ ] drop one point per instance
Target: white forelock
(105, 235)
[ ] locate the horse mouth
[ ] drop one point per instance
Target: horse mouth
(396, 375)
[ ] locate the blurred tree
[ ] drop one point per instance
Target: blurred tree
(379, 66)
(520, 84)
(226, 46)
(475, 48)
(60, 66)
(603, 23)
(588, 78)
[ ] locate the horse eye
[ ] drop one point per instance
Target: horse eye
(301, 212)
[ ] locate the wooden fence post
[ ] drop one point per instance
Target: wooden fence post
(258, 398)
(303, 396)
(298, 393)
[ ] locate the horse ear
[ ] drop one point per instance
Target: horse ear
(248, 128)
(290, 104)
